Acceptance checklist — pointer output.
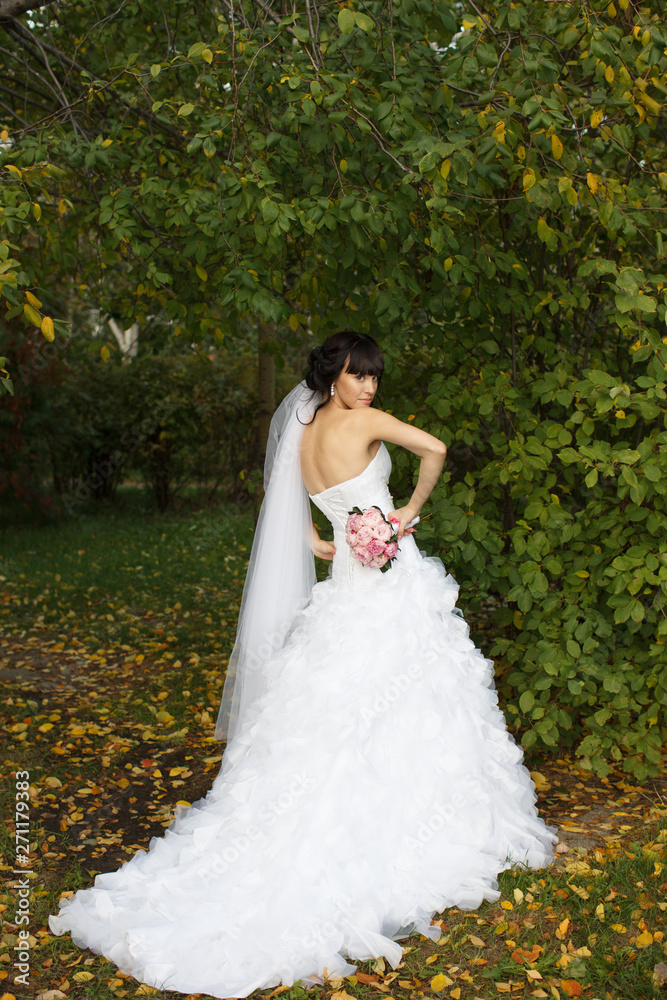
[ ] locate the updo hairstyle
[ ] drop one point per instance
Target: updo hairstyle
(327, 361)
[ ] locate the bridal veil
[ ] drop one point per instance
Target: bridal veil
(281, 569)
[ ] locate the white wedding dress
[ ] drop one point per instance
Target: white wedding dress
(372, 785)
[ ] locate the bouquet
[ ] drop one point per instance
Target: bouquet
(372, 538)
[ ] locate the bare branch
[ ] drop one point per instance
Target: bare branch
(13, 8)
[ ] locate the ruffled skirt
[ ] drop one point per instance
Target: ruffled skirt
(373, 785)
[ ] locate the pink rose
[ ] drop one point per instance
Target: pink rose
(354, 522)
(382, 531)
(364, 556)
(376, 547)
(378, 562)
(391, 549)
(373, 516)
(364, 535)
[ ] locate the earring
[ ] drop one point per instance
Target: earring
(332, 391)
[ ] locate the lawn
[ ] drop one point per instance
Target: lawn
(116, 627)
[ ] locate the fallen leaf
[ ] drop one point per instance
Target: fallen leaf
(571, 987)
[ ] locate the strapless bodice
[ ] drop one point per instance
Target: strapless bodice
(368, 489)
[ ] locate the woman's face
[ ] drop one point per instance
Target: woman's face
(354, 391)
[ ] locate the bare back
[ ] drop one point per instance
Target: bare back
(335, 447)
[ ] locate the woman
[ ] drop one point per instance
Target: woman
(369, 779)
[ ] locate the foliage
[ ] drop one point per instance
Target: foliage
(481, 185)
(91, 424)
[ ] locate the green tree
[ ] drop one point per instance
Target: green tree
(483, 186)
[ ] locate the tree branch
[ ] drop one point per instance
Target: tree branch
(12, 8)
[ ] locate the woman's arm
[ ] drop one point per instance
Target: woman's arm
(321, 547)
(430, 449)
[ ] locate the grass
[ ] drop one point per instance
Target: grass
(117, 625)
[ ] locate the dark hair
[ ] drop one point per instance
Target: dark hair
(326, 362)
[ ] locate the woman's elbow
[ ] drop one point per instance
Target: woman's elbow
(440, 448)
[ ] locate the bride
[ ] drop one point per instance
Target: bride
(369, 780)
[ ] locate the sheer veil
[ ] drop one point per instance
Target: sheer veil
(281, 570)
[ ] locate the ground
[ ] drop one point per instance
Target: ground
(111, 749)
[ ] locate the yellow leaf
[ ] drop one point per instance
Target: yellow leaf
(619, 928)
(503, 987)
(499, 132)
(14, 170)
(651, 104)
(445, 167)
(107, 142)
(293, 323)
(518, 896)
(596, 118)
(529, 179)
(201, 272)
(609, 74)
(44, 728)
(33, 300)
(539, 780)
(439, 982)
(36, 211)
(592, 182)
(556, 147)
(448, 264)
(105, 353)
(478, 943)
(467, 23)
(455, 993)
(343, 166)
(644, 939)
(4, 135)
(32, 315)
(562, 928)
(62, 206)
(599, 911)
(82, 977)
(506, 905)
(207, 56)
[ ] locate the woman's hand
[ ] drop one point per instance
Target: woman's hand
(404, 515)
(323, 549)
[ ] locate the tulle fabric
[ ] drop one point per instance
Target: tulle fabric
(373, 784)
(281, 567)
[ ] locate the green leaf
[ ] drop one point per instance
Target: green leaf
(270, 210)
(363, 21)
(526, 701)
(346, 20)
(185, 110)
